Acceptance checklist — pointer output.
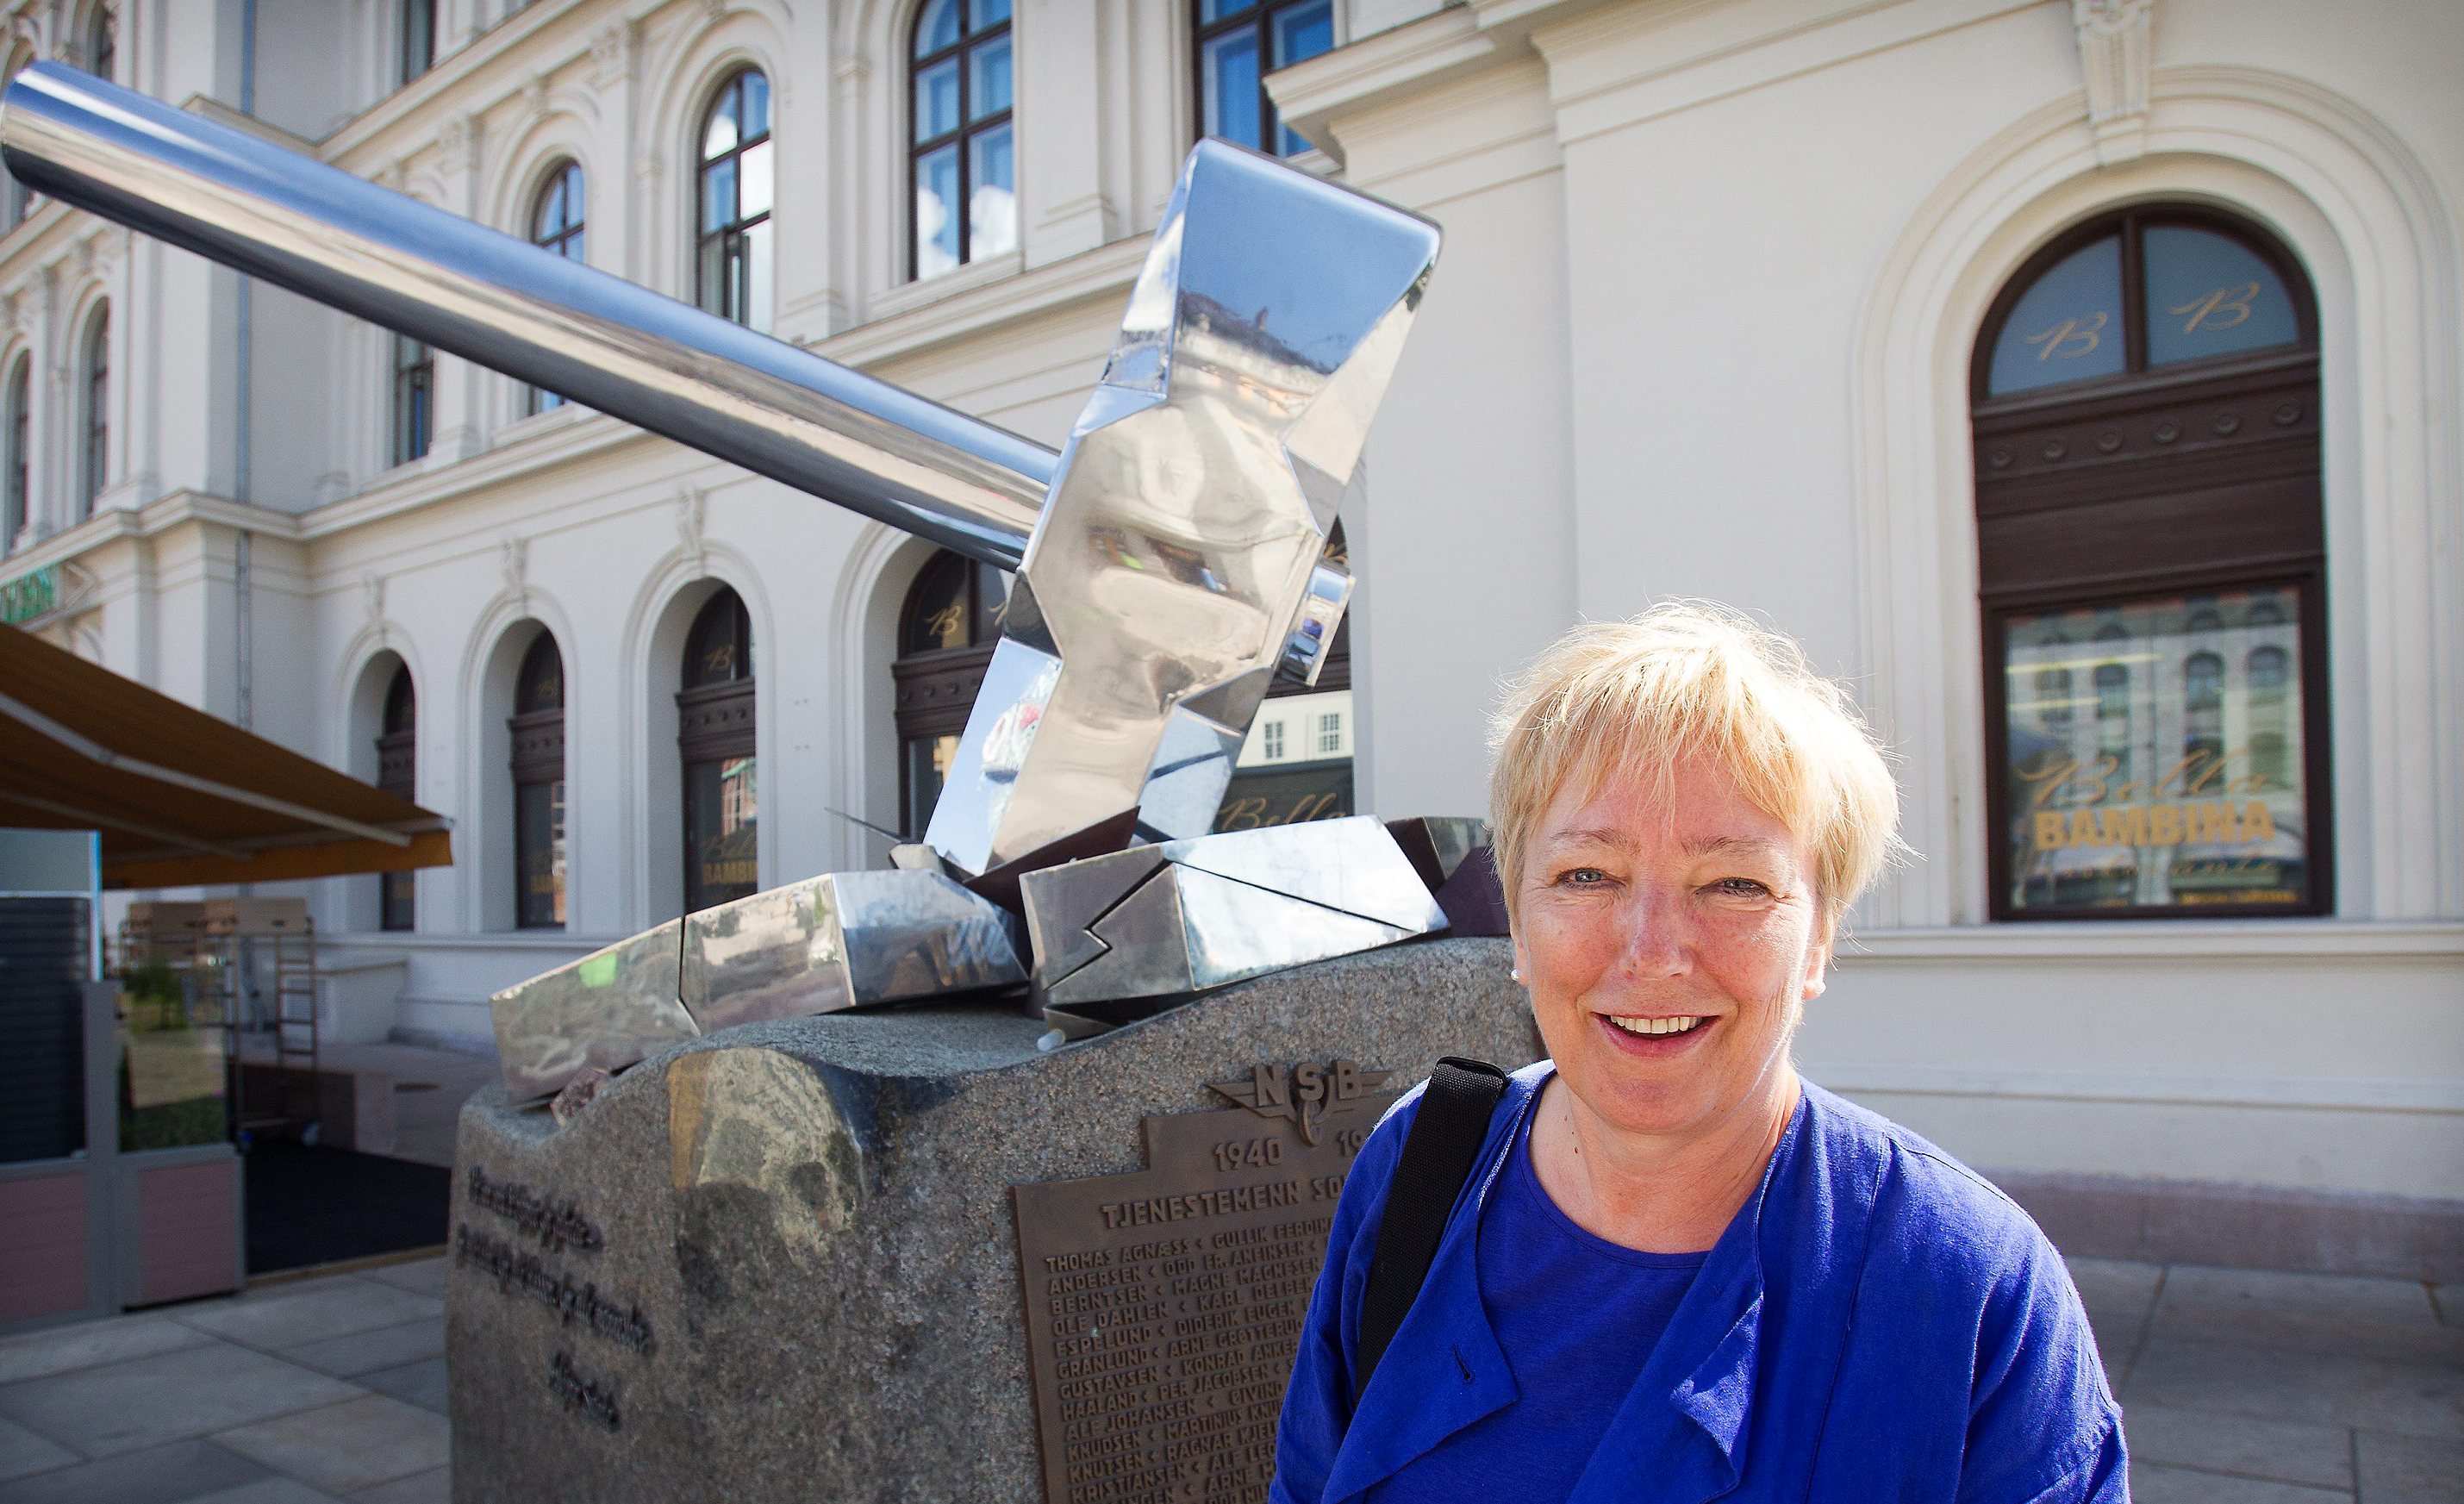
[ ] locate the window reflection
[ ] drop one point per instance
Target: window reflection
(961, 155)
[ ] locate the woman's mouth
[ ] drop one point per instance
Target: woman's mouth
(1656, 1036)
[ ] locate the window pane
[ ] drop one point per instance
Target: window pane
(2066, 327)
(538, 840)
(1303, 31)
(992, 211)
(988, 79)
(754, 173)
(719, 135)
(2209, 294)
(936, 607)
(1228, 71)
(722, 831)
(988, 13)
(2177, 782)
(1217, 10)
(936, 216)
(718, 194)
(928, 768)
(938, 27)
(757, 272)
(756, 112)
(937, 100)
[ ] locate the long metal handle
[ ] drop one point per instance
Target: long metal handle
(492, 299)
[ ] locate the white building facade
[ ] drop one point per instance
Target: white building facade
(2084, 381)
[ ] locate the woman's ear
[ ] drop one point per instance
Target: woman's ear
(1817, 956)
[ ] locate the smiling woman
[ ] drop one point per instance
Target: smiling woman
(1646, 1286)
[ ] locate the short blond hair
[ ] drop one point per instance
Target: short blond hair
(1694, 679)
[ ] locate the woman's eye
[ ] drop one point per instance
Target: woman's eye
(1586, 876)
(1740, 888)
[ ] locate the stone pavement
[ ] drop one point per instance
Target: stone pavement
(2239, 1387)
(295, 1392)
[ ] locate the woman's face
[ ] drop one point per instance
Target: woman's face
(1639, 910)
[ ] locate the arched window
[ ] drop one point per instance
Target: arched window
(102, 43)
(1239, 43)
(715, 724)
(19, 459)
(95, 454)
(414, 399)
(556, 225)
(398, 775)
(538, 727)
(732, 270)
(963, 159)
(2145, 412)
(946, 632)
(418, 40)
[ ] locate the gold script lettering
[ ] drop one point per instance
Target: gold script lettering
(2208, 313)
(2088, 332)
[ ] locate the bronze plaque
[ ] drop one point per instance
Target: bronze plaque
(1163, 1307)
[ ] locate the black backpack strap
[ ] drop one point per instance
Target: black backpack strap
(1437, 1158)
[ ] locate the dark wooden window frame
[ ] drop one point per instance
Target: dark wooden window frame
(934, 687)
(398, 775)
(19, 497)
(2221, 454)
(415, 39)
(730, 236)
(414, 399)
(96, 457)
(961, 135)
(537, 757)
(567, 178)
(715, 716)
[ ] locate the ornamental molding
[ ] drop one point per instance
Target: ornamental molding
(517, 563)
(693, 511)
(613, 53)
(2117, 55)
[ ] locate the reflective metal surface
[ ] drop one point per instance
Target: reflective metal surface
(1177, 558)
(608, 1009)
(529, 313)
(1183, 916)
(841, 941)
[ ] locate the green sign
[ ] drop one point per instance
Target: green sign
(29, 595)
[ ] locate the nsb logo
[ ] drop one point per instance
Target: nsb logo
(1301, 1092)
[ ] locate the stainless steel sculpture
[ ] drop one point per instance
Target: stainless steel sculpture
(1171, 566)
(1183, 915)
(814, 946)
(1171, 560)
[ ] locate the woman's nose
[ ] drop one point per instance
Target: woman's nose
(1657, 940)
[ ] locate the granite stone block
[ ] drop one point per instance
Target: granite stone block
(786, 1253)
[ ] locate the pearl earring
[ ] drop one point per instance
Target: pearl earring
(1515, 972)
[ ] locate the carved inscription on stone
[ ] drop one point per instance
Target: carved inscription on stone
(1163, 1307)
(574, 1301)
(556, 1225)
(583, 1396)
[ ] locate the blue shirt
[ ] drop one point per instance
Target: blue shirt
(1576, 1318)
(1877, 1322)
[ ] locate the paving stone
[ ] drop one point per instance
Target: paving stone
(370, 1440)
(175, 1475)
(133, 1405)
(2118, 1294)
(422, 1384)
(2410, 1469)
(365, 1352)
(268, 1490)
(2405, 1399)
(2152, 1484)
(2286, 1452)
(2387, 1318)
(2449, 1301)
(419, 1487)
(294, 1315)
(421, 1277)
(23, 1451)
(90, 1344)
